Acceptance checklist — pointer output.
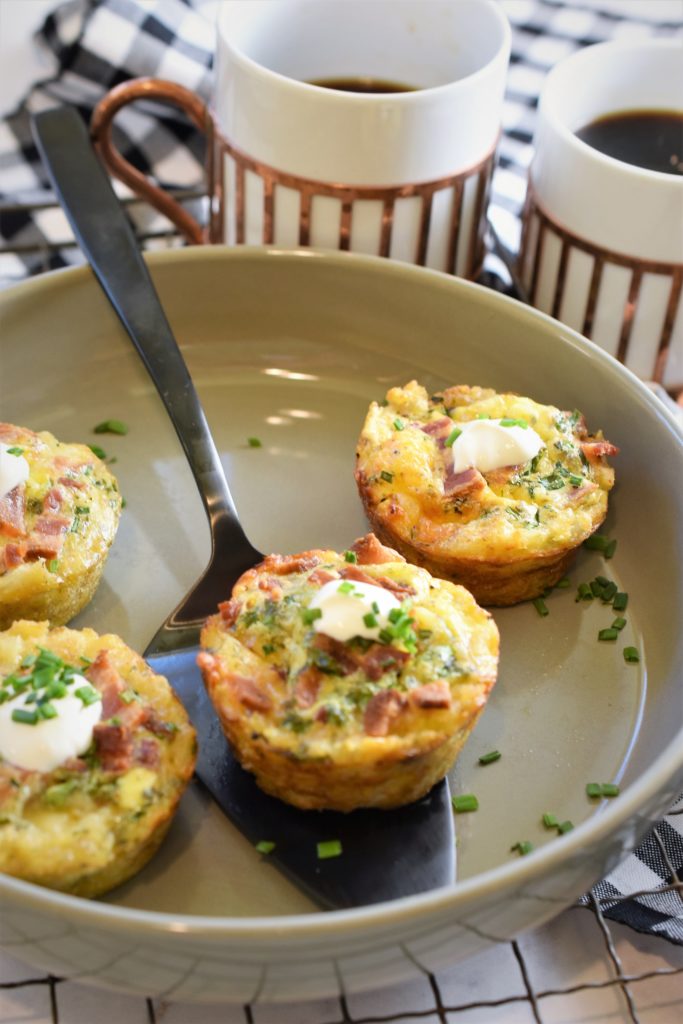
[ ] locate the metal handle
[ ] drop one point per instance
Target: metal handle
(103, 232)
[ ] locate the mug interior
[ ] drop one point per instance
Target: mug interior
(417, 44)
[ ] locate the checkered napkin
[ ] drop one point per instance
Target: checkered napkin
(95, 45)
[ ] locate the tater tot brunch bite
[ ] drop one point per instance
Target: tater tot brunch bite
(59, 511)
(490, 490)
(95, 752)
(346, 680)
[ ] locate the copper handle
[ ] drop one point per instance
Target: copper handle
(100, 130)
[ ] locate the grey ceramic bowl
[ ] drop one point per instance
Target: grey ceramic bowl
(291, 347)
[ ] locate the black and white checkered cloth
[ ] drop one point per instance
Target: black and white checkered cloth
(95, 44)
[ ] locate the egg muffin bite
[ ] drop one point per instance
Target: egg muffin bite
(490, 490)
(95, 752)
(348, 680)
(59, 511)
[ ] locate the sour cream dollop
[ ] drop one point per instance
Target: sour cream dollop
(487, 445)
(344, 610)
(51, 741)
(13, 469)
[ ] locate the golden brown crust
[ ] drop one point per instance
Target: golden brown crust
(88, 826)
(507, 535)
(339, 725)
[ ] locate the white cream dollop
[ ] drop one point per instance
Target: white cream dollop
(13, 469)
(343, 610)
(51, 741)
(487, 445)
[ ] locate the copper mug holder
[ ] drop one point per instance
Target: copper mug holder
(463, 252)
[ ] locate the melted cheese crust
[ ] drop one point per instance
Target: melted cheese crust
(90, 501)
(84, 831)
(310, 745)
(506, 540)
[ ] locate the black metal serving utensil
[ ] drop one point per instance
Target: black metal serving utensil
(386, 854)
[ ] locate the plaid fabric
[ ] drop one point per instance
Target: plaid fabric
(95, 45)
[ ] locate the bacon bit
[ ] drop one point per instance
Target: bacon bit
(75, 764)
(146, 751)
(468, 481)
(439, 430)
(155, 724)
(271, 587)
(307, 686)
(248, 692)
(229, 611)
(53, 500)
(70, 481)
(12, 507)
(107, 680)
(369, 551)
(14, 555)
(352, 572)
(432, 695)
(114, 745)
(594, 450)
(381, 710)
(42, 545)
(322, 576)
(321, 714)
(380, 658)
(283, 565)
(337, 650)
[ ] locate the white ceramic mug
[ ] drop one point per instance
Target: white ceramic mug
(602, 243)
(400, 174)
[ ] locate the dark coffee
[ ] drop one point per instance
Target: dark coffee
(361, 83)
(652, 139)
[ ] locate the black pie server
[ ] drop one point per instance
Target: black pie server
(385, 854)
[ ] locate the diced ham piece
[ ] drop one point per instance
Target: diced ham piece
(114, 745)
(229, 611)
(107, 680)
(381, 710)
(12, 508)
(469, 481)
(146, 752)
(70, 481)
(271, 586)
(321, 576)
(307, 686)
(14, 555)
(338, 651)
(51, 525)
(369, 551)
(249, 693)
(439, 430)
(283, 565)
(432, 695)
(594, 450)
(401, 590)
(53, 500)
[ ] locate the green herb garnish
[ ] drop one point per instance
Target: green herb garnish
(96, 450)
(540, 606)
(608, 634)
(453, 436)
(110, 427)
(631, 655)
(309, 615)
(399, 424)
(14, 450)
(620, 602)
(523, 847)
(493, 755)
(388, 477)
(265, 846)
(465, 802)
(350, 556)
(25, 716)
(329, 848)
(550, 821)
(254, 442)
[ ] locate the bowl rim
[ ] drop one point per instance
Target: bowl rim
(648, 789)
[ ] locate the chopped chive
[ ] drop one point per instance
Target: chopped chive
(584, 593)
(597, 542)
(493, 755)
(619, 623)
(483, 416)
(511, 422)
(465, 802)
(254, 442)
(424, 634)
(128, 696)
(329, 848)
(14, 450)
(565, 826)
(57, 794)
(111, 427)
(540, 606)
(375, 607)
(550, 821)
(268, 648)
(309, 615)
(610, 789)
(370, 620)
(98, 451)
(388, 477)
(596, 588)
(347, 587)
(453, 436)
(265, 846)
(350, 556)
(575, 480)
(398, 424)
(25, 716)
(593, 789)
(47, 710)
(608, 592)
(563, 583)
(610, 549)
(523, 847)
(608, 634)
(52, 565)
(603, 581)
(87, 694)
(631, 655)
(620, 601)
